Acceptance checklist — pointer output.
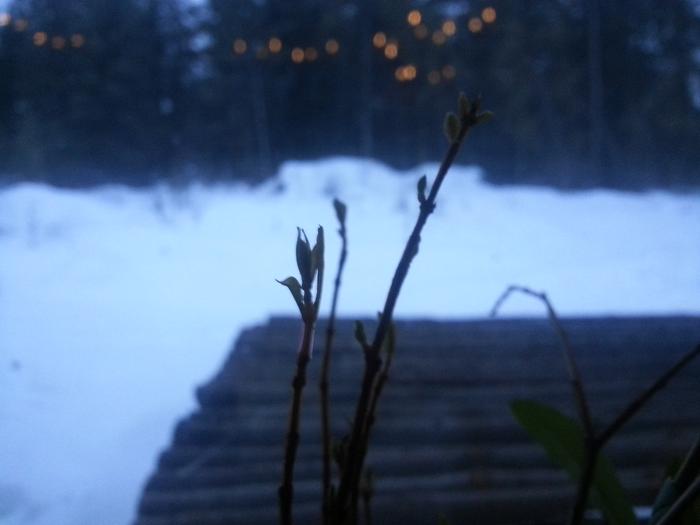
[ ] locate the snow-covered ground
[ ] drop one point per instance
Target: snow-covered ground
(115, 303)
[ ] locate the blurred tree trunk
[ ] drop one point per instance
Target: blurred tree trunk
(366, 79)
(596, 128)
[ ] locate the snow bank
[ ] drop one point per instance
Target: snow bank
(115, 303)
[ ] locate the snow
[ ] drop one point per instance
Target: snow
(115, 303)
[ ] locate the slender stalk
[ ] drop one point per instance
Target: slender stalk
(594, 442)
(351, 473)
(681, 504)
(645, 396)
(323, 383)
(382, 378)
(572, 369)
(584, 484)
(690, 468)
(286, 489)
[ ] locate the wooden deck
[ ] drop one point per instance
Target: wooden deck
(445, 441)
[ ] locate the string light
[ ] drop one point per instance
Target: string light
(488, 15)
(274, 45)
(449, 27)
(77, 40)
(414, 18)
(311, 54)
(5, 19)
(391, 51)
(39, 38)
(475, 25)
(297, 55)
(332, 46)
(406, 73)
(240, 46)
(439, 38)
(21, 25)
(58, 42)
(420, 32)
(379, 40)
(449, 72)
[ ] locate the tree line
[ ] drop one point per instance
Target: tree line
(585, 92)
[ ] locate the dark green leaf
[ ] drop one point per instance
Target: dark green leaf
(295, 288)
(451, 127)
(563, 440)
(484, 117)
(422, 185)
(665, 499)
(340, 211)
(360, 334)
(304, 260)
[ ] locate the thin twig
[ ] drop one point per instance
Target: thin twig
(350, 475)
(645, 396)
(382, 378)
(572, 369)
(311, 264)
(593, 442)
(286, 489)
(325, 371)
(681, 504)
(690, 467)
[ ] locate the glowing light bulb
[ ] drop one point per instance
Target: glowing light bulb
(475, 25)
(240, 46)
(274, 45)
(297, 55)
(332, 46)
(439, 38)
(449, 27)
(391, 51)
(414, 18)
(39, 38)
(488, 15)
(379, 40)
(77, 40)
(58, 42)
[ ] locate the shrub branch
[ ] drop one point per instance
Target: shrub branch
(469, 117)
(325, 368)
(594, 442)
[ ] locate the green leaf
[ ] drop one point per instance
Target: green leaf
(304, 260)
(484, 117)
(665, 499)
(451, 127)
(341, 211)
(295, 288)
(360, 334)
(563, 440)
(318, 266)
(422, 185)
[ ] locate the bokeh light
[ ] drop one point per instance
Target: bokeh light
(332, 46)
(414, 17)
(449, 27)
(240, 46)
(39, 38)
(475, 25)
(297, 55)
(488, 15)
(391, 51)
(379, 40)
(274, 45)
